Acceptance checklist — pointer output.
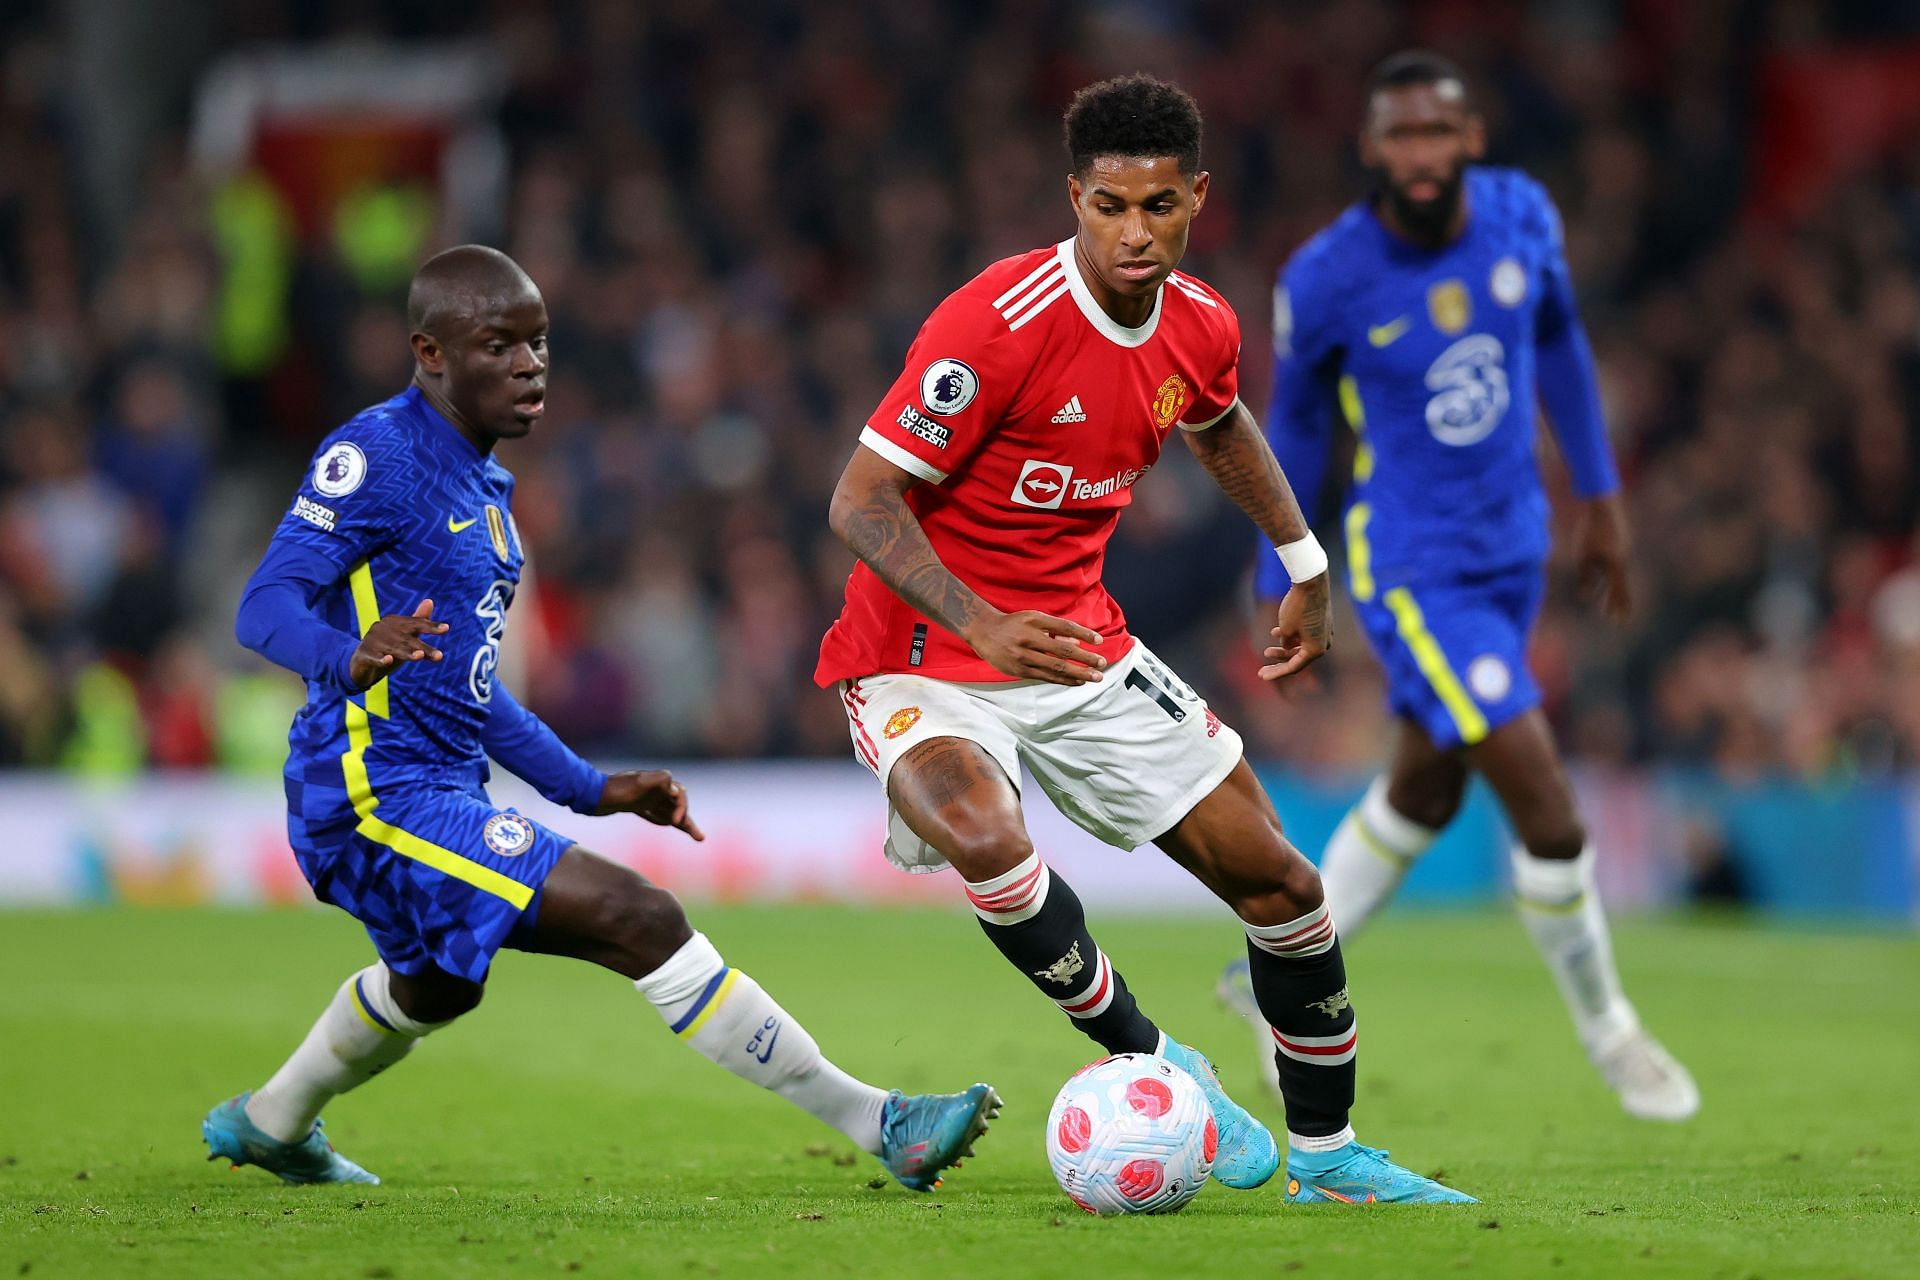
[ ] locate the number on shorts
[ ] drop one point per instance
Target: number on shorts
(1136, 679)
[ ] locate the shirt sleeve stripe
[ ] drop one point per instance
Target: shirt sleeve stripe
(1202, 426)
(899, 457)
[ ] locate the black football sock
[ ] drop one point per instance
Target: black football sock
(1300, 982)
(1036, 921)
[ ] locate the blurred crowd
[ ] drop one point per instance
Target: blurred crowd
(740, 212)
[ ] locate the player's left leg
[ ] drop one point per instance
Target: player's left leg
(601, 912)
(1232, 842)
(1554, 889)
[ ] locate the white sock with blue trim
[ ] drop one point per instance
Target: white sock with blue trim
(729, 1019)
(360, 1033)
(1370, 854)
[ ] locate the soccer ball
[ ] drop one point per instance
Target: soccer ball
(1131, 1134)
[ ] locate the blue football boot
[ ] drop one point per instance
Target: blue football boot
(1247, 1155)
(924, 1133)
(228, 1132)
(1362, 1175)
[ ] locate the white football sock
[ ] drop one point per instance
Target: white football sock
(1369, 855)
(360, 1033)
(1561, 909)
(725, 1015)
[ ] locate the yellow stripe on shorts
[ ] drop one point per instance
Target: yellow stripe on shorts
(1432, 660)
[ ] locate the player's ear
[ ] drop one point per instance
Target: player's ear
(1476, 137)
(427, 352)
(1201, 181)
(1073, 190)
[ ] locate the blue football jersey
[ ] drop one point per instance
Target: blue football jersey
(1431, 357)
(408, 510)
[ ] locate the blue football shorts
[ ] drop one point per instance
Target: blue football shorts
(1455, 650)
(437, 875)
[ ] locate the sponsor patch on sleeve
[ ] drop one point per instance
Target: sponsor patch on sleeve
(934, 433)
(313, 513)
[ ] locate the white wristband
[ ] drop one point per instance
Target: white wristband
(1305, 559)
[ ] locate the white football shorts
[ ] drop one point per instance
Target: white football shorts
(1125, 759)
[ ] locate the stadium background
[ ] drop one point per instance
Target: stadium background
(739, 213)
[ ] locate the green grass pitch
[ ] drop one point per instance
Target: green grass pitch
(560, 1130)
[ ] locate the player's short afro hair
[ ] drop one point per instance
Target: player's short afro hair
(1133, 115)
(1415, 66)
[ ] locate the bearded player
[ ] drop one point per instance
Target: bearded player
(386, 586)
(976, 636)
(1429, 314)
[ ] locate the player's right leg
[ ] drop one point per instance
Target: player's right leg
(1396, 821)
(372, 1022)
(598, 911)
(958, 799)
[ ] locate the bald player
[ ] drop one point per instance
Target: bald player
(386, 585)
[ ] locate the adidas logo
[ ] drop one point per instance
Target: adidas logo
(1071, 412)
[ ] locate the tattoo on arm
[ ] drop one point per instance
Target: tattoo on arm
(879, 527)
(1237, 456)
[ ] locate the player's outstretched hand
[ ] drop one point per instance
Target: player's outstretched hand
(394, 640)
(654, 795)
(1600, 556)
(1304, 630)
(1030, 645)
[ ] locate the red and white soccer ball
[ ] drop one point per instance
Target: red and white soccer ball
(1131, 1134)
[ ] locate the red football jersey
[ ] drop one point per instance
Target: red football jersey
(1031, 414)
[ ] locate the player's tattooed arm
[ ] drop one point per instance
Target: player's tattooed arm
(870, 514)
(1236, 454)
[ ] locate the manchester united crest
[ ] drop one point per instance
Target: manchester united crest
(901, 721)
(1449, 306)
(1169, 401)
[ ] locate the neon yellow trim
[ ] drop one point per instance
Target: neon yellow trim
(1359, 552)
(719, 998)
(1552, 908)
(446, 861)
(1350, 402)
(353, 765)
(1356, 416)
(366, 611)
(1375, 844)
(359, 1007)
(1432, 660)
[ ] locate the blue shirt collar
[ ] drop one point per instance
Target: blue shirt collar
(441, 433)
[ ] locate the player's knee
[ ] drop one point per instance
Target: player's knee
(1431, 801)
(983, 852)
(1561, 840)
(1288, 889)
(435, 999)
(641, 922)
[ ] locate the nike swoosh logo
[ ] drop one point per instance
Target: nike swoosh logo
(1384, 335)
(455, 526)
(770, 1043)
